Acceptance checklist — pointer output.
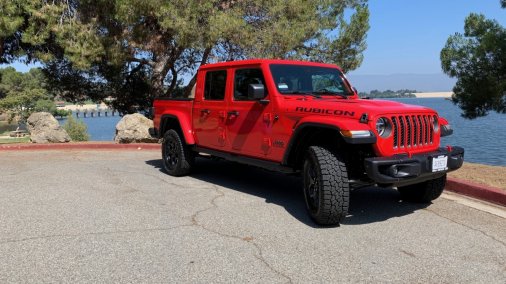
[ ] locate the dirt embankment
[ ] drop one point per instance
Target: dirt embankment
(483, 174)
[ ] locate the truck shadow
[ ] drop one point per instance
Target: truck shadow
(368, 205)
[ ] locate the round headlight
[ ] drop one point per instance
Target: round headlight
(435, 123)
(383, 127)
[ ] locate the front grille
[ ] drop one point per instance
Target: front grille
(413, 131)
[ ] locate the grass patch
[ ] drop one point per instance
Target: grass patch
(6, 140)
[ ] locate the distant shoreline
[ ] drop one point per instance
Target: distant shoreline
(434, 95)
(88, 107)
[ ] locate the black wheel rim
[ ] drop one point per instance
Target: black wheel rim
(312, 187)
(171, 154)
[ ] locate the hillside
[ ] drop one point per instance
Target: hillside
(419, 82)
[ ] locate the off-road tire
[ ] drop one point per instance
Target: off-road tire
(178, 159)
(423, 192)
(326, 187)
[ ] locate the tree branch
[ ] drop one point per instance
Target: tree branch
(141, 61)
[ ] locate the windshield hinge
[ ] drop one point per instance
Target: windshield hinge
(364, 118)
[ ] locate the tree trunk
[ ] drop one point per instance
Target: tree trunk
(173, 83)
(192, 82)
(1, 48)
(160, 70)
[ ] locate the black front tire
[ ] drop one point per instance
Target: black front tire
(326, 187)
(178, 159)
(423, 192)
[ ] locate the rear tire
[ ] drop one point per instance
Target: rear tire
(423, 192)
(326, 187)
(178, 159)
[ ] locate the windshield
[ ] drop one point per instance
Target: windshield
(301, 79)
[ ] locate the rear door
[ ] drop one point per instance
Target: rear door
(209, 109)
(248, 121)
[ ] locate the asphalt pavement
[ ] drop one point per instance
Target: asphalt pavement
(115, 216)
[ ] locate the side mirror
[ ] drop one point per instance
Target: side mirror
(256, 91)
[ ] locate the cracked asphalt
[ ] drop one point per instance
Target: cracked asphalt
(114, 216)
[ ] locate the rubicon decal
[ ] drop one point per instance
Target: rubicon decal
(325, 111)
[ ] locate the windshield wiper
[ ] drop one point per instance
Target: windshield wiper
(325, 91)
(313, 94)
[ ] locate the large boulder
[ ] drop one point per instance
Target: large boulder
(134, 128)
(44, 128)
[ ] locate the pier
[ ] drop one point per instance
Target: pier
(90, 110)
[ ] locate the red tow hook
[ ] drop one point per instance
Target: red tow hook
(449, 148)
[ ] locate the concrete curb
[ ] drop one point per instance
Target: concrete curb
(482, 192)
(80, 146)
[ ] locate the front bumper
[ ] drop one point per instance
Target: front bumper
(401, 170)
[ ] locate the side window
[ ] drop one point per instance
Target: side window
(243, 78)
(216, 82)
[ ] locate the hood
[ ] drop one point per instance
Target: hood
(351, 107)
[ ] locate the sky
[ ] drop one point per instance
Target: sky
(406, 36)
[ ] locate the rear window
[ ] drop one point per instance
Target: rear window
(215, 85)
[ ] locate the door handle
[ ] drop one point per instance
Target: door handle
(205, 111)
(233, 113)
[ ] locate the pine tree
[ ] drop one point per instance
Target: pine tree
(477, 59)
(135, 50)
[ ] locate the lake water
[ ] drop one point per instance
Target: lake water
(484, 139)
(99, 128)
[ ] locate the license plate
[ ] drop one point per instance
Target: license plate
(439, 163)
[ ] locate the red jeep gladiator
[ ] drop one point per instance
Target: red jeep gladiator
(305, 117)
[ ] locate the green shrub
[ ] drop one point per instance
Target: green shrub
(50, 106)
(45, 105)
(77, 130)
(62, 113)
